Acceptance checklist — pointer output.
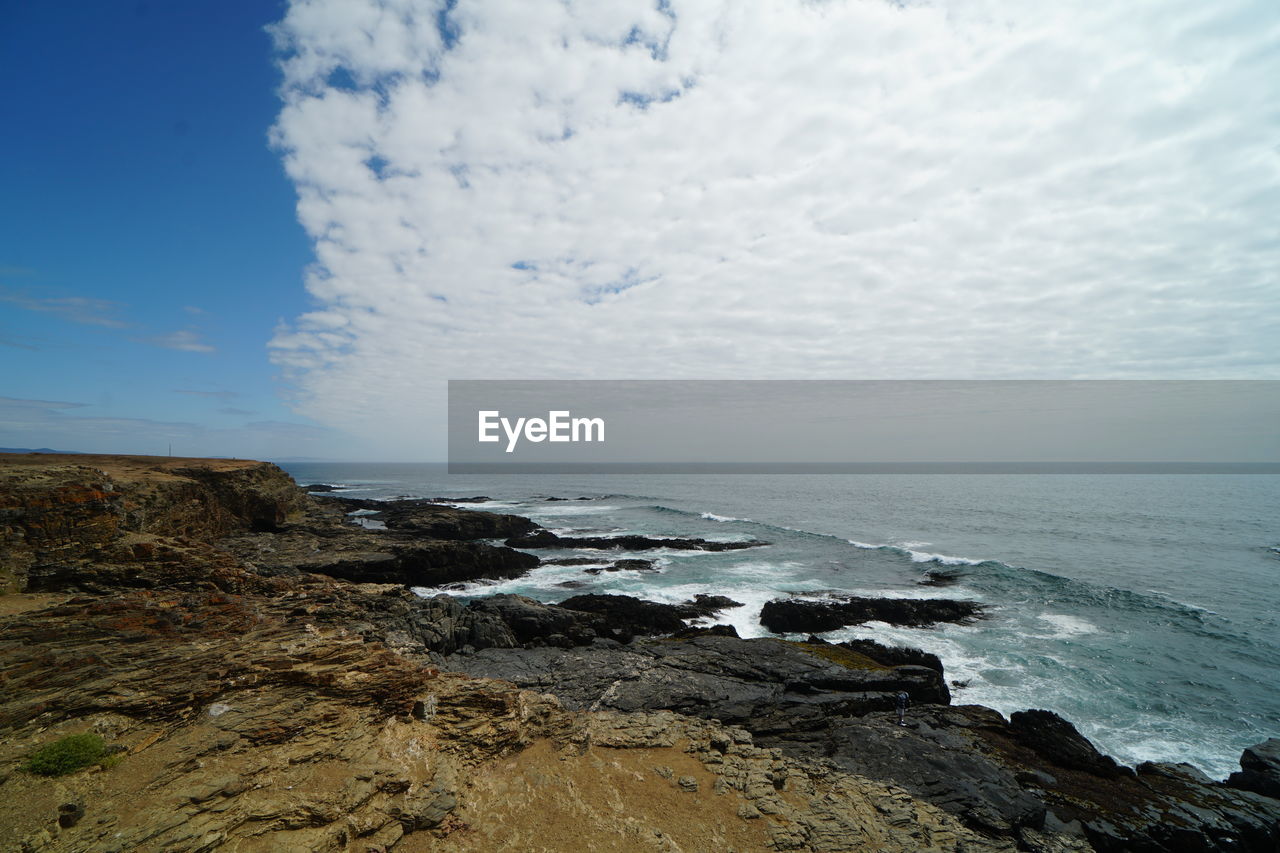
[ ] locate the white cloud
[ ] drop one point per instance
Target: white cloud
(77, 309)
(184, 340)
(775, 188)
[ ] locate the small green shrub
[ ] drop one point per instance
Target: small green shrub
(67, 754)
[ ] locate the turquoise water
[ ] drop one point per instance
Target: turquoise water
(1144, 608)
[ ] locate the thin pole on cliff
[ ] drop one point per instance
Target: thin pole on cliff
(171, 448)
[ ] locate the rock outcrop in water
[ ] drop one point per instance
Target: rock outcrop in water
(262, 700)
(802, 616)
(547, 539)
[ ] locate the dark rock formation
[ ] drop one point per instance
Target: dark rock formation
(240, 655)
(769, 686)
(534, 623)
(942, 577)
(1055, 739)
(547, 539)
(891, 655)
(1027, 779)
(634, 616)
(624, 566)
(431, 519)
(1259, 769)
(798, 616)
(321, 542)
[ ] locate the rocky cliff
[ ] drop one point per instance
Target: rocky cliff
(221, 632)
(63, 519)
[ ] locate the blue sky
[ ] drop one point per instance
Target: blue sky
(148, 242)
(277, 229)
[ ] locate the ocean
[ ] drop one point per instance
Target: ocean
(1145, 608)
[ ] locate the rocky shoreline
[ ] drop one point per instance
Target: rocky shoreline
(271, 683)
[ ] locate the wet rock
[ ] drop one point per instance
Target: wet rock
(705, 631)
(942, 577)
(531, 620)
(794, 615)
(622, 566)
(635, 616)
(547, 539)
(1259, 769)
(769, 685)
(891, 655)
(1057, 740)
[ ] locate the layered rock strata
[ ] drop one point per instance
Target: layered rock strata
(216, 627)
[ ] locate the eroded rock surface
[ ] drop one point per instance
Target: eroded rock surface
(547, 539)
(802, 616)
(263, 700)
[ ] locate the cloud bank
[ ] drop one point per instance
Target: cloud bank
(774, 189)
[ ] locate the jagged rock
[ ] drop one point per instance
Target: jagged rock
(266, 706)
(431, 519)
(890, 655)
(532, 621)
(1054, 738)
(98, 522)
(800, 616)
(547, 539)
(1259, 769)
(768, 685)
(634, 616)
(616, 566)
(322, 543)
(942, 577)
(705, 631)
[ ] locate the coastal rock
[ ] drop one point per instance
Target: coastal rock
(770, 686)
(547, 539)
(322, 542)
(433, 520)
(624, 613)
(264, 705)
(1054, 738)
(96, 522)
(802, 616)
(891, 655)
(1259, 769)
(1038, 780)
(620, 566)
(266, 722)
(533, 622)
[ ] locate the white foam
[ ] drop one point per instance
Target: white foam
(711, 516)
(942, 559)
(558, 509)
(917, 556)
(1067, 625)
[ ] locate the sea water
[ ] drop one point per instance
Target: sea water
(1143, 608)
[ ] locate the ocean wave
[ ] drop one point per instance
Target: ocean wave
(1068, 625)
(920, 556)
(711, 516)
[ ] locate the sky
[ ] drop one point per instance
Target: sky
(277, 229)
